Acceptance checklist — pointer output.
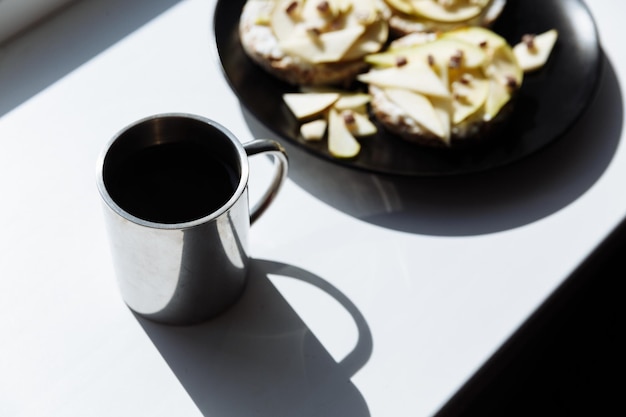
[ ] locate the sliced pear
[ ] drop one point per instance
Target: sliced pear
(362, 125)
(477, 36)
(443, 108)
(263, 20)
(403, 6)
(418, 107)
(499, 95)
(438, 51)
(347, 99)
(346, 30)
(340, 6)
(417, 78)
(468, 98)
(312, 15)
(353, 101)
(504, 67)
(364, 12)
(456, 12)
(390, 58)
(412, 40)
(341, 143)
(370, 42)
(313, 18)
(314, 130)
(501, 63)
(304, 105)
(534, 53)
(325, 47)
(443, 72)
(282, 23)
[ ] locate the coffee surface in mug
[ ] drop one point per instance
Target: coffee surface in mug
(171, 183)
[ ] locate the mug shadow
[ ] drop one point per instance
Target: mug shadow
(481, 203)
(259, 358)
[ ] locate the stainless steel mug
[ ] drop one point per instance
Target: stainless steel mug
(175, 192)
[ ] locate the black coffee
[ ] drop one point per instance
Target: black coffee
(170, 183)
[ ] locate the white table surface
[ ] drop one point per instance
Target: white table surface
(368, 295)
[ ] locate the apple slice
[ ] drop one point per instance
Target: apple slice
(418, 107)
(533, 52)
(341, 143)
(417, 78)
(439, 51)
(304, 105)
(314, 130)
(456, 12)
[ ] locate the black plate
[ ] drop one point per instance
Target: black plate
(549, 103)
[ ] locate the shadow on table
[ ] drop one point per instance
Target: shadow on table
(565, 358)
(259, 358)
(66, 40)
(489, 202)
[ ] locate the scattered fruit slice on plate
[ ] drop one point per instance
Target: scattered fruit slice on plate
(339, 116)
(431, 53)
(305, 105)
(418, 78)
(314, 130)
(470, 94)
(418, 107)
(341, 143)
(534, 50)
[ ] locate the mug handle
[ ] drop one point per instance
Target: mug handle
(277, 152)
